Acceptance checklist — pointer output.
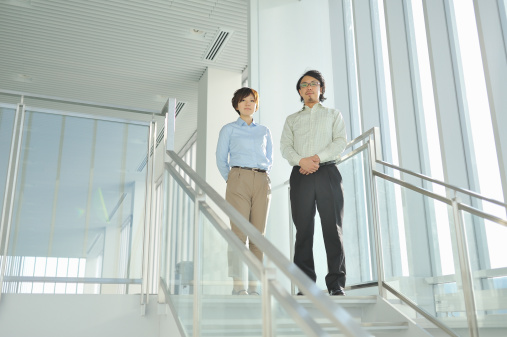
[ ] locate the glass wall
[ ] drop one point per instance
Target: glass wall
(79, 203)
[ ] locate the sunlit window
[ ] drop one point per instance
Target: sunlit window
(430, 132)
(392, 136)
(486, 160)
(18, 267)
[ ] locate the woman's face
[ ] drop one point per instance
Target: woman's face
(247, 106)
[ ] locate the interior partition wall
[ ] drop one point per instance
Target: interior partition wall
(73, 192)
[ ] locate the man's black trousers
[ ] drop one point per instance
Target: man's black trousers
(321, 190)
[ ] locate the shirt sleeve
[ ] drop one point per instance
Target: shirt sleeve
(269, 150)
(222, 153)
(287, 145)
(336, 147)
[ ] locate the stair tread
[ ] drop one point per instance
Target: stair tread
(370, 299)
(286, 322)
(489, 321)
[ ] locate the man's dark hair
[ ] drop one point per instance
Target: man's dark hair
(318, 76)
(242, 93)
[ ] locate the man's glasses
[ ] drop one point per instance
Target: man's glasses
(311, 84)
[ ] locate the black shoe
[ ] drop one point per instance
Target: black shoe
(300, 293)
(337, 292)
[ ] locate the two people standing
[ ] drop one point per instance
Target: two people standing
(312, 141)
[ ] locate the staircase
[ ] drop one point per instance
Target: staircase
(242, 316)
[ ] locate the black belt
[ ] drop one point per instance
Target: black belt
(250, 169)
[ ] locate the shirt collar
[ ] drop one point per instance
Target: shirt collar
(241, 122)
(306, 107)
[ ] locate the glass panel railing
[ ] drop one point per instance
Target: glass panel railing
(176, 247)
(212, 308)
(283, 323)
(224, 313)
(489, 273)
(419, 260)
(358, 222)
(78, 213)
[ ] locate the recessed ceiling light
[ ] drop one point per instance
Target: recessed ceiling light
(196, 34)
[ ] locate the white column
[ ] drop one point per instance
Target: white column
(406, 93)
(449, 93)
(403, 88)
(489, 15)
(216, 88)
(344, 65)
(287, 38)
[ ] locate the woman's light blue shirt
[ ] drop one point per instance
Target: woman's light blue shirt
(240, 144)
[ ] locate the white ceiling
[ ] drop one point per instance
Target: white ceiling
(134, 53)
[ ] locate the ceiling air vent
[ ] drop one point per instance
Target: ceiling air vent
(179, 107)
(218, 45)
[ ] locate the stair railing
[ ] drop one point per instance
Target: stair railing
(270, 284)
(371, 143)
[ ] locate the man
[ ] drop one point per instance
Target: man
(312, 140)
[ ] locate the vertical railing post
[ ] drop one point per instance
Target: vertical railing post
(465, 269)
(197, 305)
(291, 241)
(148, 214)
(373, 151)
(267, 322)
(10, 186)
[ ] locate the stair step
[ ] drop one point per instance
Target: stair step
(286, 327)
(343, 300)
(489, 321)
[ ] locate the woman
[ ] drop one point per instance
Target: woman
(244, 158)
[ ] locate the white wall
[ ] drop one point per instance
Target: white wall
(288, 38)
(216, 89)
(83, 315)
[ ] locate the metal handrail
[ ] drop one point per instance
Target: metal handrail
(337, 315)
(375, 132)
(79, 102)
(57, 279)
(421, 311)
(443, 199)
(373, 144)
(10, 187)
(449, 186)
(253, 263)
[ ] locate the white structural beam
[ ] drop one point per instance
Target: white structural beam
(405, 96)
(489, 15)
(449, 94)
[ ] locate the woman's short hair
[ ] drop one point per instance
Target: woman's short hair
(242, 93)
(318, 76)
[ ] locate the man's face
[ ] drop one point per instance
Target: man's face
(309, 89)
